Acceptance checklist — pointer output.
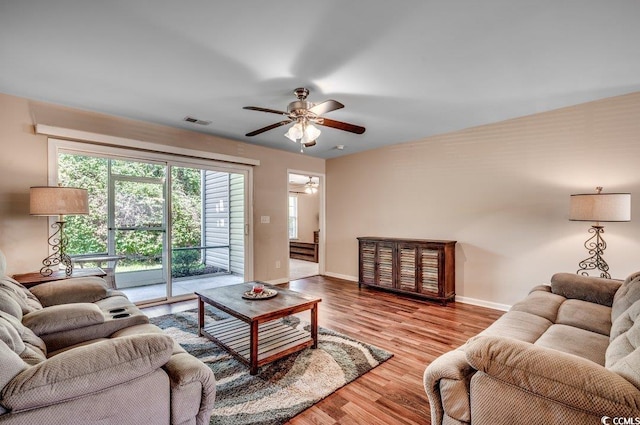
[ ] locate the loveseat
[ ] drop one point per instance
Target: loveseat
(76, 352)
(566, 354)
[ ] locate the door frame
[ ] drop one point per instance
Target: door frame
(321, 216)
(55, 145)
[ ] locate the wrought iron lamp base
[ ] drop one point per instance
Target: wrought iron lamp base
(595, 246)
(58, 243)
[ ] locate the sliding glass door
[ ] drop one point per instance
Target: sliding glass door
(173, 226)
(207, 228)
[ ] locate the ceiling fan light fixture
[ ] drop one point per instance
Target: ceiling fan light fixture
(311, 132)
(304, 114)
(294, 133)
(311, 187)
(302, 131)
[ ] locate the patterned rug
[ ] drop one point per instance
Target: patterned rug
(281, 389)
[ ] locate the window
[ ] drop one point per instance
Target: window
(293, 216)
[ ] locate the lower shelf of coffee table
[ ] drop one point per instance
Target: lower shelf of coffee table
(275, 339)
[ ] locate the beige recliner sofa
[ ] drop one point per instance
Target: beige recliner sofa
(566, 354)
(76, 352)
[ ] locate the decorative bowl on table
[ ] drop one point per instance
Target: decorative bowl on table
(264, 294)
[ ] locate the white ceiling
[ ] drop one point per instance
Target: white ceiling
(405, 70)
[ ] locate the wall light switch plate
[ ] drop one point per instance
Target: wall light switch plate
(265, 219)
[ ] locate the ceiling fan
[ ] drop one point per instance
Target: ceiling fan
(304, 114)
(310, 187)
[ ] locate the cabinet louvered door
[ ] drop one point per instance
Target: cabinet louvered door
(430, 271)
(407, 267)
(368, 262)
(385, 264)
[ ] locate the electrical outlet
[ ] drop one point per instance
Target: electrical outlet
(277, 264)
(265, 219)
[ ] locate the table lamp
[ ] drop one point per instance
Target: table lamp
(58, 201)
(598, 207)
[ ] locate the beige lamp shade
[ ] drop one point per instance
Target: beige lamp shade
(55, 200)
(600, 207)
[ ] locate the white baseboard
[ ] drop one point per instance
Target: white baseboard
(460, 299)
(342, 276)
(482, 303)
(277, 281)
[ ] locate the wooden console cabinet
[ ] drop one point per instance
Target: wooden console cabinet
(419, 267)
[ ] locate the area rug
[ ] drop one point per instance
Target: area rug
(281, 389)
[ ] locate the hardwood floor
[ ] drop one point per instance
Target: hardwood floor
(415, 331)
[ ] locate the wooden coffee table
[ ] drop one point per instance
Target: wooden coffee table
(254, 334)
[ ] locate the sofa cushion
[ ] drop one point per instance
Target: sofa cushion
(592, 289)
(11, 363)
(115, 302)
(585, 315)
(519, 325)
(540, 303)
(77, 290)
(27, 301)
(10, 335)
(628, 367)
(71, 347)
(625, 321)
(9, 305)
(90, 368)
(118, 314)
(626, 296)
(545, 379)
(146, 328)
(21, 340)
(579, 342)
(623, 345)
(63, 317)
(623, 355)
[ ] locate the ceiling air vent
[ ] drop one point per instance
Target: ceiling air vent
(196, 121)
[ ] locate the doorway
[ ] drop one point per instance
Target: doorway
(136, 221)
(306, 218)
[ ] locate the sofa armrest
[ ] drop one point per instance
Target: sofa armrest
(446, 382)
(87, 369)
(63, 317)
(74, 290)
(586, 288)
(193, 384)
(564, 378)
(188, 375)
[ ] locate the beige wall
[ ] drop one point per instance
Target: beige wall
(502, 191)
(24, 164)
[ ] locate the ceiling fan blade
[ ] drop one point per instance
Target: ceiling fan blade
(309, 144)
(341, 125)
(267, 128)
(327, 106)
(273, 111)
